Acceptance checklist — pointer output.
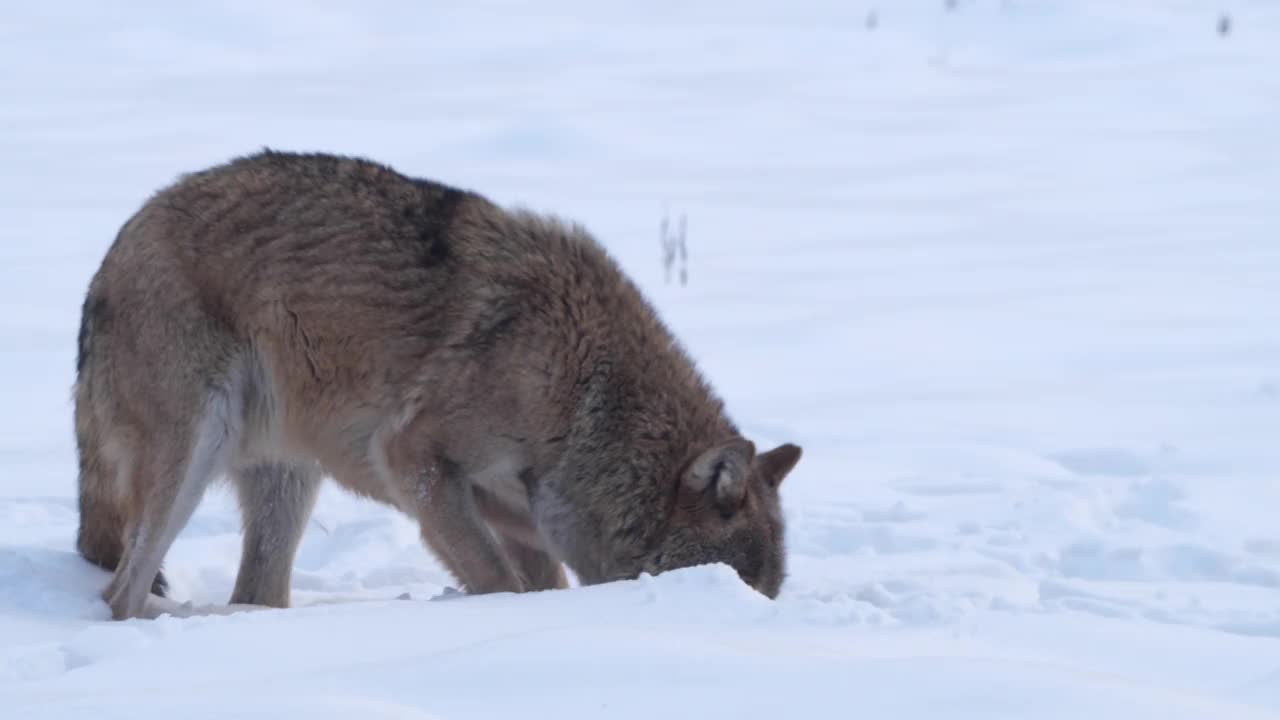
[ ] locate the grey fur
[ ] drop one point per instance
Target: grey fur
(276, 500)
(488, 371)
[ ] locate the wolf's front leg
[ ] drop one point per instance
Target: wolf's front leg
(455, 532)
(538, 569)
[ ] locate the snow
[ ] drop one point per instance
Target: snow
(1007, 273)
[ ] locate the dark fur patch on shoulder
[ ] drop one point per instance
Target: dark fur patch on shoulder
(440, 204)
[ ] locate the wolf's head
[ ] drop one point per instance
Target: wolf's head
(726, 510)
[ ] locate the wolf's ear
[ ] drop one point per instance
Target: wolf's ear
(724, 466)
(775, 464)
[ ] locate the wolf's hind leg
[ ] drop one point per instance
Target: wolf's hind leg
(276, 500)
(173, 469)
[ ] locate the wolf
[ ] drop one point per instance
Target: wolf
(286, 317)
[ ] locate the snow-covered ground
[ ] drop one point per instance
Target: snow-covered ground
(1010, 274)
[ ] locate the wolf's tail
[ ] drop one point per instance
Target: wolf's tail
(103, 520)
